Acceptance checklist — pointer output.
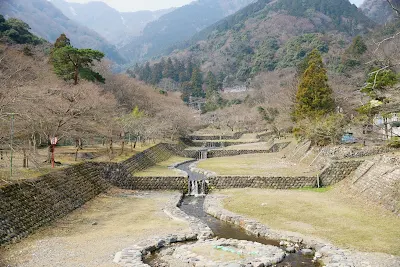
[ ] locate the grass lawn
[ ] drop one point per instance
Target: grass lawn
(161, 169)
(250, 146)
(328, 214)
(271, 164)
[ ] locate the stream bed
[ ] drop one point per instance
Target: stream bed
(193, 206)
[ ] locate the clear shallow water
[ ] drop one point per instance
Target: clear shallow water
(194, 206)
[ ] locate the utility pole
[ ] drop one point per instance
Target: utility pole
(11, 141)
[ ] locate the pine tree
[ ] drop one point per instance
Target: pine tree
(314, 96)
(71, 63)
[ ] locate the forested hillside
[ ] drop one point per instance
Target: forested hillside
(60, 90)
(379, 10)
(48, 22)
(265, 36)
(179, 25)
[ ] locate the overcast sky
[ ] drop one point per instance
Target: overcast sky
(134, 5)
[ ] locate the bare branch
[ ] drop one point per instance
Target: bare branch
(394, 8)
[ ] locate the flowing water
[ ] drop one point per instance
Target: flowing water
(193, 206)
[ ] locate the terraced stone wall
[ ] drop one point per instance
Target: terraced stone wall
(179, 183)
(337, 171)
(234, 136)
(378, 180)
(229, 153)
(26, 206)
(226, 182)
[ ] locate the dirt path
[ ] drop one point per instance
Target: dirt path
(92, 235)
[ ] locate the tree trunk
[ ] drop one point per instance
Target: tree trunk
(49, 154)
(122, 146)
(386, 128)
(111, 151)
(24, 160)
(76, 74)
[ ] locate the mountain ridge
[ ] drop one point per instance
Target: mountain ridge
(115, 26)
(179, 25)
(49, 22)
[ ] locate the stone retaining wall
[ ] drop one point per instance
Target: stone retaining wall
(154, 183)
(229, 153)
(26, 206)
(234, 136)
(152, 156)
(378, 180)
(225, 182)
(337, 171)
(221, 143)
(342, 152)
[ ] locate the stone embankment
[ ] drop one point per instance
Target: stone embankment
(331, 255)
(234, 136)
(26, 206)
(378, 180)
(225, 182)
(134, 255)
(336, 171)
(343, 152)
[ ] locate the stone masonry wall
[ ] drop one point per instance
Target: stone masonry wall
(378, 181)
(228, 153)
(343, 152)
(26, 206)
(226, 182)
(234, 136)
(337, 171)
(154, 183)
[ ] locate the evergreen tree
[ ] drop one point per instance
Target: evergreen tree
(189, 69)
(169, 71)
(146, 73)
(186, 91)
(71, 63)
(62, 41)
(314, 96)
(156, 75)
(358, 46)
(220, 80)
(212, 87)
(214, 100)
(3, 25)
(197, 83)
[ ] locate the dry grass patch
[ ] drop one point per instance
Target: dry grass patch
(161, 169)
(249, 146)
(271, 164)
(121, 218)
(330, 215)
